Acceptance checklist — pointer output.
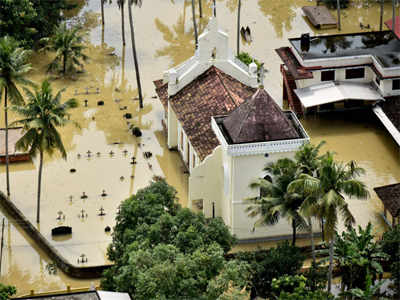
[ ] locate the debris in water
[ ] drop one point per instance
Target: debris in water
(107, 229)
(128, 116)
(136, 131)
(125, 152)
(98, 154)
(133, 162)
(111, 153)
(101, 212)
(78, 155)
(103, 193)
(86, 102)
(147, 154)
(84, 196)
(123, 107)
(72, 170)
(122, 178)
(100, 103)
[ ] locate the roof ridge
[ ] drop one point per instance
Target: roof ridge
(249, 110)
(225, 87)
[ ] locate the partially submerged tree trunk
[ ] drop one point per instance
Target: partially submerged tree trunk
(238, 29)
(381, 17)
(312, 239)
(102, 12)
(330, 270)
(39, 186)
(6, 136)
(294, 233)
(123, 22)
(134, 54)
(200, 9)
(196, 38)
(338, 14)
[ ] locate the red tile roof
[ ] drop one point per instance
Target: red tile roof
(210, 94)
(390, 196)
(259, 119)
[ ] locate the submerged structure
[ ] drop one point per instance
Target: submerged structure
(344, 71)
(226, 128)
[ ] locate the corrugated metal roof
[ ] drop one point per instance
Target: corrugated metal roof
(335, 91)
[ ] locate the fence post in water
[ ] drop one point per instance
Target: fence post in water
(2, 243)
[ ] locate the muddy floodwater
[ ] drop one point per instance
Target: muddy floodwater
(164, 36)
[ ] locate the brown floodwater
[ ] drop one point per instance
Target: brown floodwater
(164, 36)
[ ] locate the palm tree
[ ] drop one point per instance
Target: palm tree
(200, 9)
(13, 68)
(121, 4)
(326, 196)
(307, 159)
(131, 2)
(196, 38)
(67, 43)
(42, 115)
(102, 11)
(275, 200)
(371, 291)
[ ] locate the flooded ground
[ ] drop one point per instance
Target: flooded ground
(164, 36)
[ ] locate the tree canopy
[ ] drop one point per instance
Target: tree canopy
(164, 251)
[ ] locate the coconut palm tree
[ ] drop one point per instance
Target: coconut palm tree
(326, 194)
(67, 44)
(43, 113)
(275, 201)
(200, 9)
(307, 159)
(131, 2)
(13, 68)
(121, 4)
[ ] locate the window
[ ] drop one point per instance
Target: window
(328, 75)
(355, 73)
(377, 81)
(396, 84)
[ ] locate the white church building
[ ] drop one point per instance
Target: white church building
(226, 128)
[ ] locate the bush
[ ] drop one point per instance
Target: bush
(6, 291)
(245, 58)
(269, 264)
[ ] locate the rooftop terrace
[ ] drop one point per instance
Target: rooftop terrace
(382, 45)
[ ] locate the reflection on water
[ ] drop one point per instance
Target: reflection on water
(164, 38)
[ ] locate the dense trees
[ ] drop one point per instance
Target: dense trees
(30, 20)
(162, 251)
(6, 291)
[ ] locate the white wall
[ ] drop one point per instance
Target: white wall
(172, 128)
(245, 170)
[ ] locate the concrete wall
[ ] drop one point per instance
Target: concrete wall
(172, 128)
(245, 170)
(205, 183)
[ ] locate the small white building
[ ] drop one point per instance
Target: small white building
(226, 128)
(344, 71)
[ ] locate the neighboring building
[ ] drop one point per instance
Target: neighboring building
(390, 197)
(226, 128)
(344, 71)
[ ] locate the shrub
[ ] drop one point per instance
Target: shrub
(245, 58)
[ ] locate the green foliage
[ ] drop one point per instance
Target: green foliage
(42, 114)
(245, 58)
(391, 246)
(68, 47)
(316, 277)
(370, 292)
(269, 264)
(162, 251)
(333, 3)
(30, 20)
(276, 200)
(294, 287)
(6, 291)
(357, 255)
(13, 68)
